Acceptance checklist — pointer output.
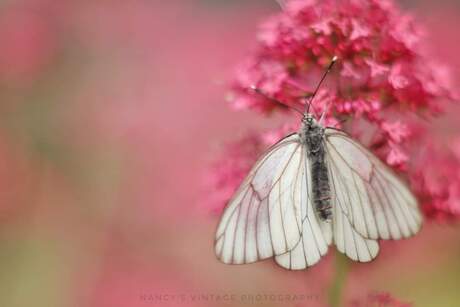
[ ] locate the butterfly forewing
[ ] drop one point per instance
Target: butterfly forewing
(264, 217)
(374, 200)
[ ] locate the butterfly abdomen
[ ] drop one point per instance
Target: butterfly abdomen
(319, 173)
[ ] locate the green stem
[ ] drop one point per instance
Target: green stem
(341, 271)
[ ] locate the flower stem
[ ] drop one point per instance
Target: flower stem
(341, 271)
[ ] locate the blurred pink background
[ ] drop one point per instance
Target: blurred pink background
(111, 112)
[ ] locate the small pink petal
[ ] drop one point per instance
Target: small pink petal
(359, 30)
(377, 69)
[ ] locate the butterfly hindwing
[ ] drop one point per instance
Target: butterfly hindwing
(316, 234)
(347, 240)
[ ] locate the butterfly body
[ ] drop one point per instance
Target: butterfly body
(312, 135)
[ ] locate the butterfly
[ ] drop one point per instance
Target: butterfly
(312, 188)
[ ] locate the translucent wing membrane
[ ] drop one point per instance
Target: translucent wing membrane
(271, 214)
(375, 202)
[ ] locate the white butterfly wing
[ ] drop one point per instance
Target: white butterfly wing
(316, 235)
(271, 214)
(347, 240)
(375, 202)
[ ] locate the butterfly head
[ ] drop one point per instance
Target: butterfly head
(308, 120)
(310, 126)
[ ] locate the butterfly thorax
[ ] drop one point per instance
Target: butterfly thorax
(312, 135)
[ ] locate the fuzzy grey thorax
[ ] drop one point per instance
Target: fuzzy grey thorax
(312, 135)
(311, 131)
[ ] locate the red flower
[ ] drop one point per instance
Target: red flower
(436, 180)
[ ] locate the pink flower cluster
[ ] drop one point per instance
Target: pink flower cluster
(436, 180)
(384, 83)
(382, 61)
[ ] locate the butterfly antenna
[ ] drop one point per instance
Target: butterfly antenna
(307, 106)
(274, 100)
